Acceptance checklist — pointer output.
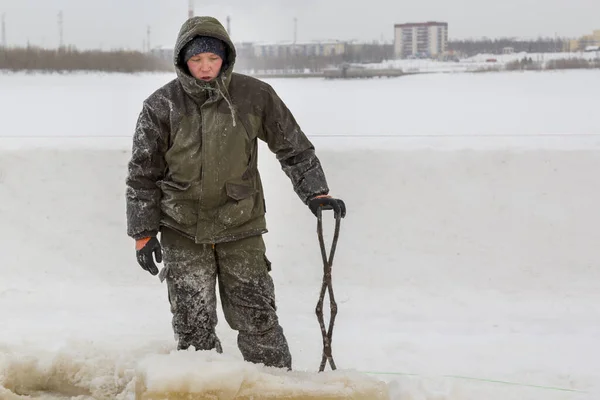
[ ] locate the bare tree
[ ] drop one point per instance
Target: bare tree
(473, 47)
(70, 59)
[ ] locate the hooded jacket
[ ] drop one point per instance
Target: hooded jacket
(193, 166)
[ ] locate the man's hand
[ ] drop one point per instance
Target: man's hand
(145, 248)
(327, 202)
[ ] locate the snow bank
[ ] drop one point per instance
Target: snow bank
(180, 373)
(80, 369)
(478, 62)
(537, 57)
(90, 372)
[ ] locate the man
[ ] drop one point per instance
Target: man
(193, 176)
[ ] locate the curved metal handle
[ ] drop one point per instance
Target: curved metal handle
(327, 287)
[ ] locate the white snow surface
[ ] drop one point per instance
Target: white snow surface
(479, 62)
(467, 267)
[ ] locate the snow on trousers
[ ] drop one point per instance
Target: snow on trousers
(246, 290)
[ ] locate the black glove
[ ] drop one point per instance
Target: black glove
(144, 255)
(327, 203)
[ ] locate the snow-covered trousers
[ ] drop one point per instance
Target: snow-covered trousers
(246, 290)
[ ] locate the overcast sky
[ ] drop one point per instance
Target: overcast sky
(123, 23)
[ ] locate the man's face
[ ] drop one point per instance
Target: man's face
(205, 66)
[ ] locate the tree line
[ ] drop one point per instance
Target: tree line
(70, 59)
(472, 47)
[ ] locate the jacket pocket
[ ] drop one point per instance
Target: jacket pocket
(238, 191)
(179, 202)
(240, 204)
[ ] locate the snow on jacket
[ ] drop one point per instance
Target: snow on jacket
(193, 166)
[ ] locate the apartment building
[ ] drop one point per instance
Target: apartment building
(584, 42)
(423, 39)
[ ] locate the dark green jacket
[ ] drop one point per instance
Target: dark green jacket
(193, 166)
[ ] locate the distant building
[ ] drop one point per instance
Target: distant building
(163, 52)
(244, 49)
(425, 39)
(289, 49)
(585, 42)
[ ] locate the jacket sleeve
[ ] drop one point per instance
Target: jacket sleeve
(146, 167)
(295, 152)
